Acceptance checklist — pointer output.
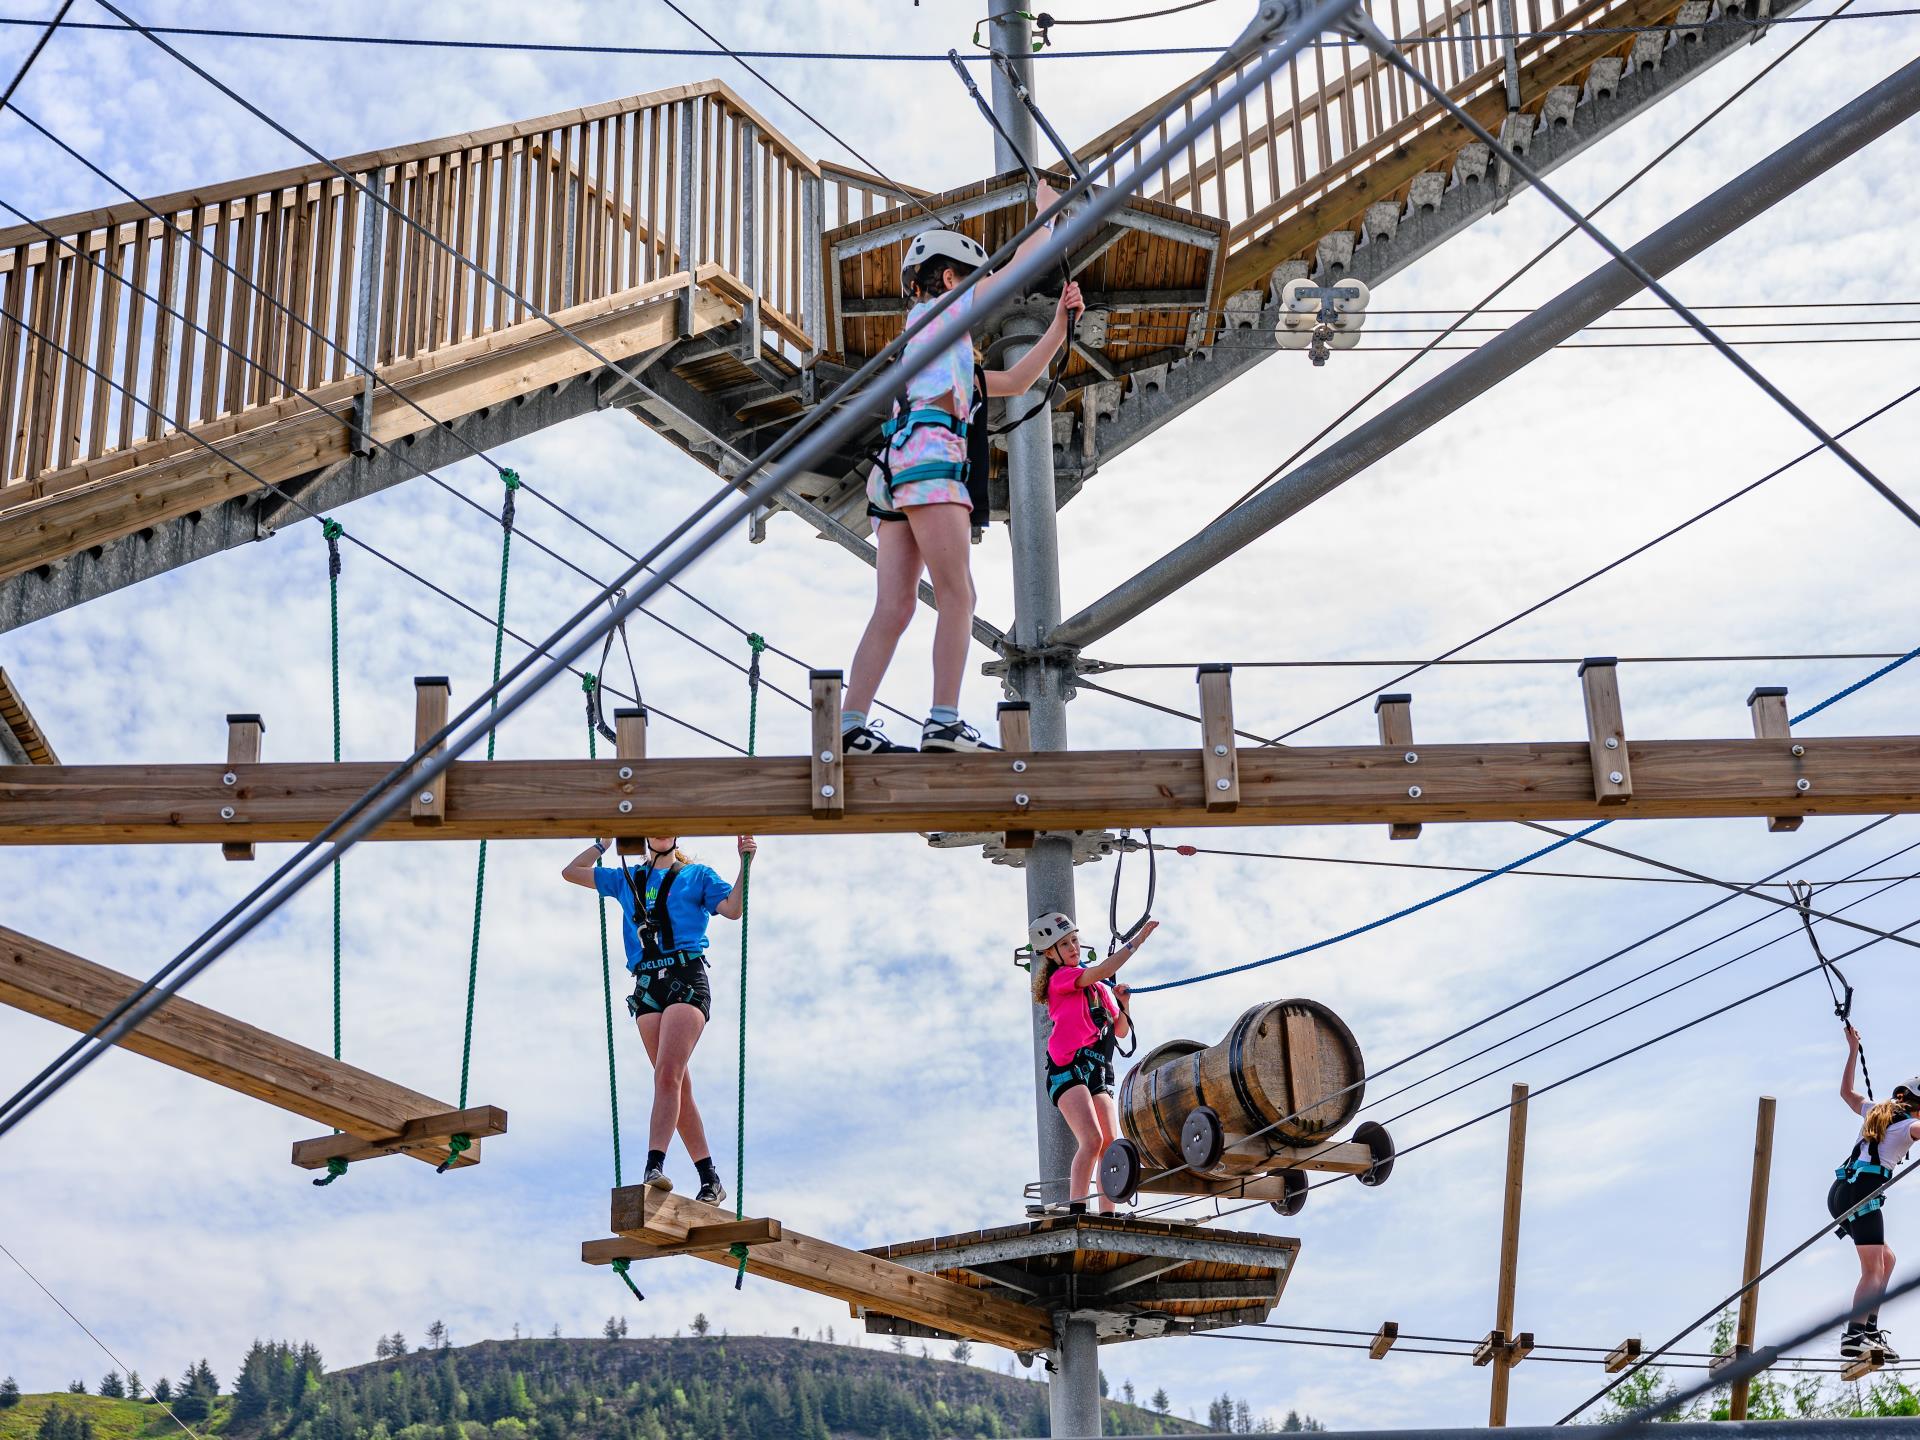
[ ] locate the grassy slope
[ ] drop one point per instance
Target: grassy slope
(112, 1419)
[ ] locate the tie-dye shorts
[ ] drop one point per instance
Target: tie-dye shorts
(929, 468)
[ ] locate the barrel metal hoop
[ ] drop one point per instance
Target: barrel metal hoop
(1236, 1051)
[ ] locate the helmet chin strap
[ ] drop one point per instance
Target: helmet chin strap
(668, 851)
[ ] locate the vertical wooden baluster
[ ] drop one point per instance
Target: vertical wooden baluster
(286, 244)
(735, 180)
(13, 309)
(110, 287)
(483, 230)
(418, 282)
(163, 324)
(606, 213)
(254, 379)
(673, 260)
(348, 273)
(1297, 129)
(393, 237)
(303, 220)
(523, 221)
(39, 305)
(706, 159)
(657, 263)
(565, 234)
(1323, 127)
(622, 217)
(542, 163)
(1246, 158)
(1273, 143)
(463, 246)
(1219, 154)
(320, 318)
(216, 241)
(642, 198)
(447, 227)
(234, 394)
(86, 282)
(46, 378)
(439, 222)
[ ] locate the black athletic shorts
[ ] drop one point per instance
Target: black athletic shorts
(684, 982)
(1088, 1067)
(1843, 1195)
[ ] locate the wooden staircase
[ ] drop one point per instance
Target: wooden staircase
(690, 243)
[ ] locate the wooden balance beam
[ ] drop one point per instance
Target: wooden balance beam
(651, 1224)
(377, 1116)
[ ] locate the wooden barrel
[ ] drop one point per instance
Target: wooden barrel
(1281, 1057)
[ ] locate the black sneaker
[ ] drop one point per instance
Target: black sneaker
(712, 1192)
(1852, 1343)
(1877, 1340)
(867, 740)
(955, 736)
(656, 1178)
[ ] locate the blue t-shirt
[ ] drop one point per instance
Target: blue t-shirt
(697, 892)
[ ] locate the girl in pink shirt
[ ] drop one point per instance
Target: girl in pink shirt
(1085, 1010)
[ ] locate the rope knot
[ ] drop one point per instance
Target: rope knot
(738, 1251)
(457, 1146)
(510, 479)
(589, 682)
(620, 1268)
(336, 1167)
(333, 530)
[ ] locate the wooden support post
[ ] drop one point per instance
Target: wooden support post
(1383, 1340)
(1756, 1242)
(1016, 738)
(827, 775)
(1395, 716)
(1606, 734)
(1623, 1355)
(1219, 761)
(244, 734)
(629, 746)
(1506, 1358)
(1768, 706)
(432, 697)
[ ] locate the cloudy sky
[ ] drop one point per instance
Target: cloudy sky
(888, 1089)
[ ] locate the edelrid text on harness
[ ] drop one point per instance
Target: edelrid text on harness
(972, 472)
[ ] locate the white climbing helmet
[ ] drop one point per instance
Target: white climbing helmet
(931, 244)
(1049, 930)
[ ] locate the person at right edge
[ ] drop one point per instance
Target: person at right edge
(1085, 1012)
(1886, 1134)
(922, 491)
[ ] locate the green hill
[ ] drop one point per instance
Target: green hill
(700, 1388)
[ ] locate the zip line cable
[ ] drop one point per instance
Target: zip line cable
(794, 452)
(1803, 1364)
(534, 47)
(1383, 47)
(27, 64)
(1111, 665)
(372, 372)
(86, 1330)
(1541, 255)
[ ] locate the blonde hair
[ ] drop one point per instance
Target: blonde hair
(1874, 1123)
(1044, 964)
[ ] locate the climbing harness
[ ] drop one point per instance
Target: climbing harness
(972, 472)
(459, 1144)
(651, 919)
(333, 530)
(1830, 972)
(738, 1250)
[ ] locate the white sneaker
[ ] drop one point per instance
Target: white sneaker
(957, 735)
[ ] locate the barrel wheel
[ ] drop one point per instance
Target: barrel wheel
(1374, 1136)
(1201, 1138)
(1120, 1172)
(1295, 1199)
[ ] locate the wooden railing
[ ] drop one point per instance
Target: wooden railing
(855, 194)
(558, 211)
(1336, 108)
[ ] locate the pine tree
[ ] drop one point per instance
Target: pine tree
(135, 1390)
(1242, 1418)
(112, 1386)
(1161, 1402)
(1126, 1389)
(252, 1391)
(77, 1387)
(899, 1344)
(1220, 1413)
(1103, 1383)
(962, 1351)
(611, 1330)
(9, 1393)
(701, 1324)
(162, 1390)
(437, 1338)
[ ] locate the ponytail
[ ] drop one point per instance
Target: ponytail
(1043, 967)
(1875, 1122)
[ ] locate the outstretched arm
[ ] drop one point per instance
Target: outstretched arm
(730, 908)
(1043, 197)
(579, 870)
(1110, 967)
(1019, 377)
(1852, 1096)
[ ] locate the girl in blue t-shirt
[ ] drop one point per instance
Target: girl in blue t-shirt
(664, 906)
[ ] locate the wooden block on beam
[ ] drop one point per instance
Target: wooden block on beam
(1484, 1352)
(426, 1132)
(1871, 1359)
(1016, 738)
(827, 770)
(1394, 713)
(1768, 706)
(630, 747)
(1219, 760)
(245, 734)
(1521, 1347)
(1606, 733)
(719, 1236)
(432, 698)
(1623, 1355)
(1383, 1340)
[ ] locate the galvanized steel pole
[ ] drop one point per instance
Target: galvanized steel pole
(1840, 136)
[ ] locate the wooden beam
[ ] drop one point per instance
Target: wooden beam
(1219, 774)
(1506, 1359)
(1871, 1359)
(896, 794)
(630, 748)
(827, 779)
(1748, 1323)
(424, 1134)
(245, 734)
(1606, 732)
(1623, 1355)
(719, 1236)
(1382, 1341)
(432, 699)
(1394, 714)
(1768, 705)
(654, 1218)
(15, 715)
(1016, 739)
(49, 982)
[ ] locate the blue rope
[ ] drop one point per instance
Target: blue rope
(1508, 868)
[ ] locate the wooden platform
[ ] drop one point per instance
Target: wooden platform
(1135, 1279)
(19, 731)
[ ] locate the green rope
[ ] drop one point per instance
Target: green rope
(739, 1251)
(620, 1268)
(512, 482)
(333, 530)
(591, 684)
(336, 1167)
